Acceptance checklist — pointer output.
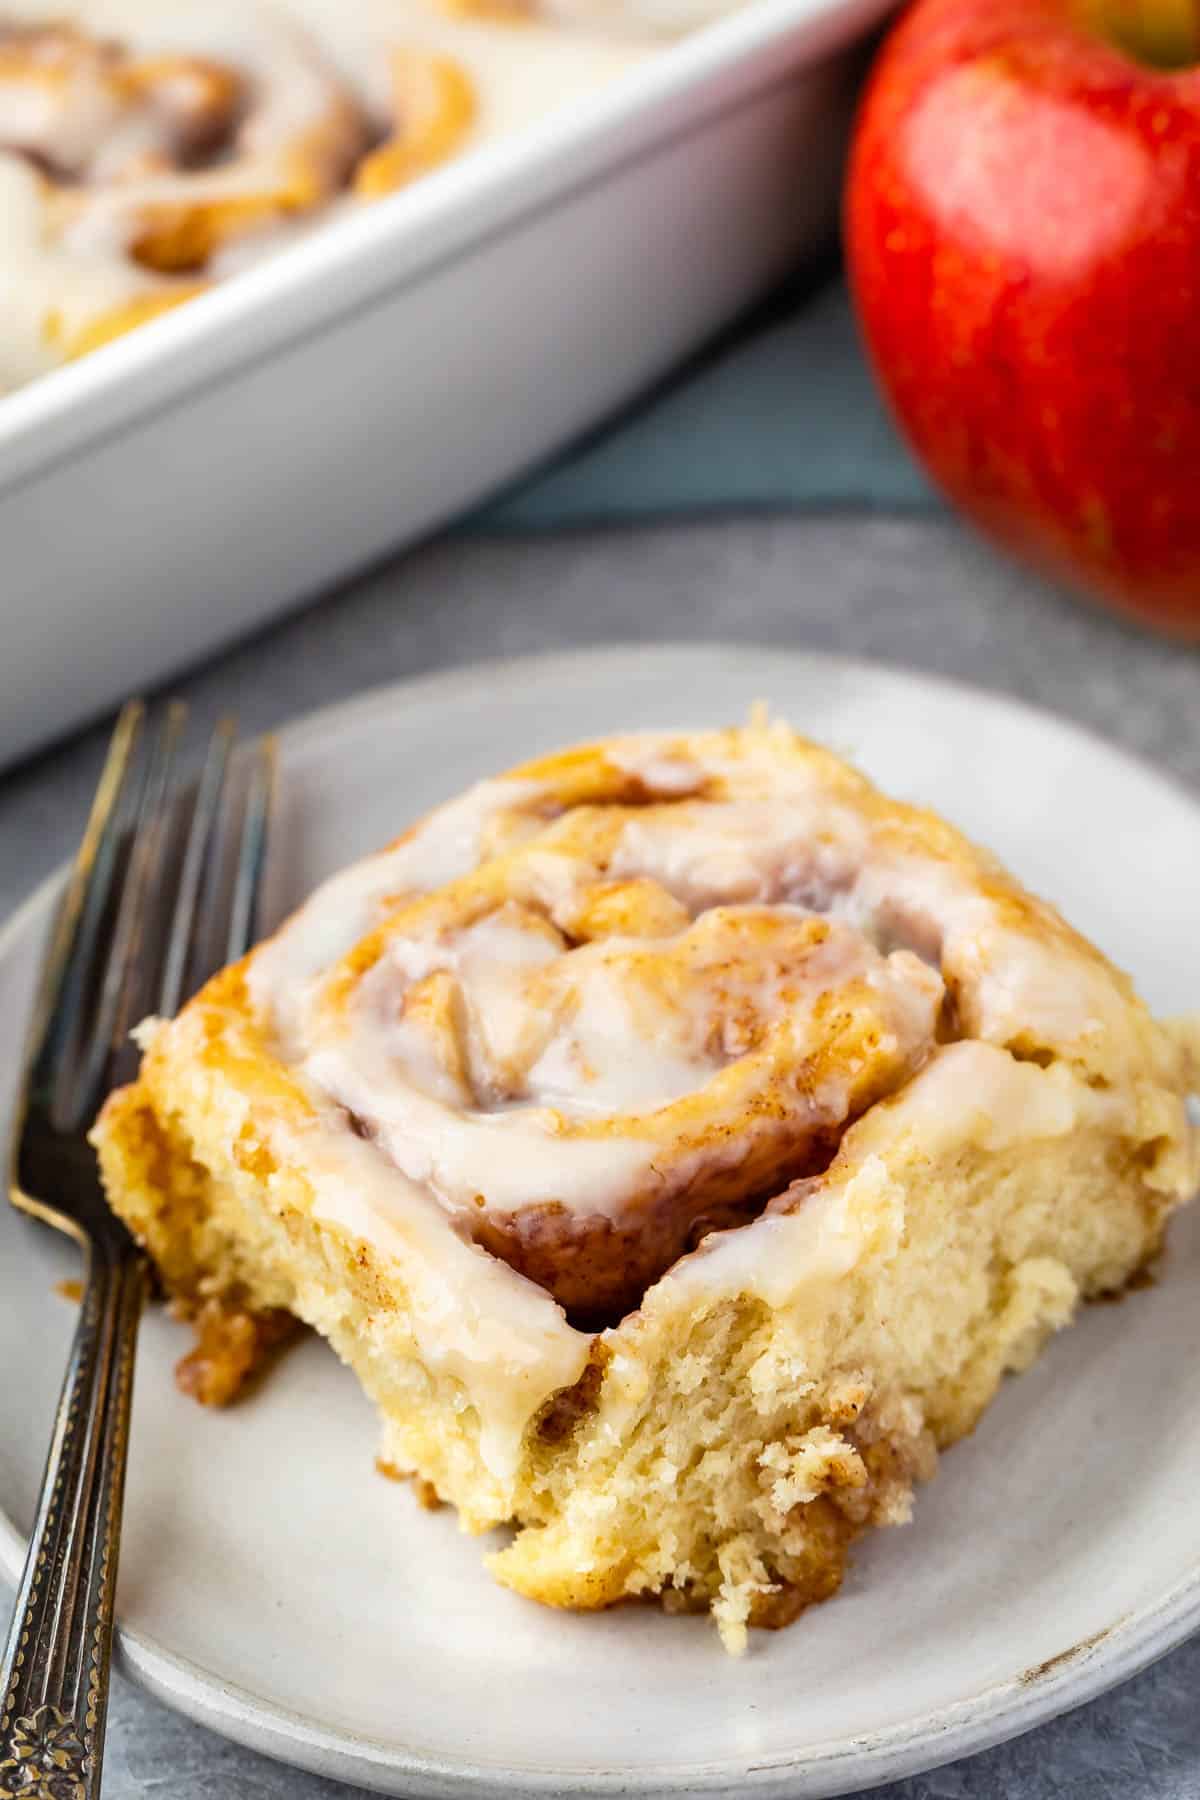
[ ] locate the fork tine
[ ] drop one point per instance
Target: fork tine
(83, 905)
(111, 1019)
(224, 922)
(201, 850)
(252, 851)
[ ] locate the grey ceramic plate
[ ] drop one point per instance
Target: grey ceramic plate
(273, 1586)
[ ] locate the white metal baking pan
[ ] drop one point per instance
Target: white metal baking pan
(191, 480)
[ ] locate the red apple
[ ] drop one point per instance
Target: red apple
(1023, 235)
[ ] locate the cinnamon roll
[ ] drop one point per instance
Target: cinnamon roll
(151, 147)
(680, 1140)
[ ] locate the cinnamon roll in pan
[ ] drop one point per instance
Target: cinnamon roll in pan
(151, 147)
(680, 1140)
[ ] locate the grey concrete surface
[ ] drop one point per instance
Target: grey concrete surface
(909, 591)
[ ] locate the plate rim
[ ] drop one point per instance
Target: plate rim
(1003, 1710)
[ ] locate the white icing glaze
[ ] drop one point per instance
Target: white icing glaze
(473, 1318)
(42, 280)
(665, 18)
(664, 771)
(974, 1093)
(343, 909)
(600, 1032)
(615, 1027)
(968, 1094)
(313, 65)
(297, 99)
(806, 845)
(66, 114)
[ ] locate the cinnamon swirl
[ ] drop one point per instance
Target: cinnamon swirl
(680, 1140)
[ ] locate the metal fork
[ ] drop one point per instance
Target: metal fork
(162, 892)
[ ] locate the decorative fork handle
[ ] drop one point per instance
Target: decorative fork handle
(54, 1677)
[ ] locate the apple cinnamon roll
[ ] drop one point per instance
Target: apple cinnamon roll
(151, 147)
(680, 1140)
